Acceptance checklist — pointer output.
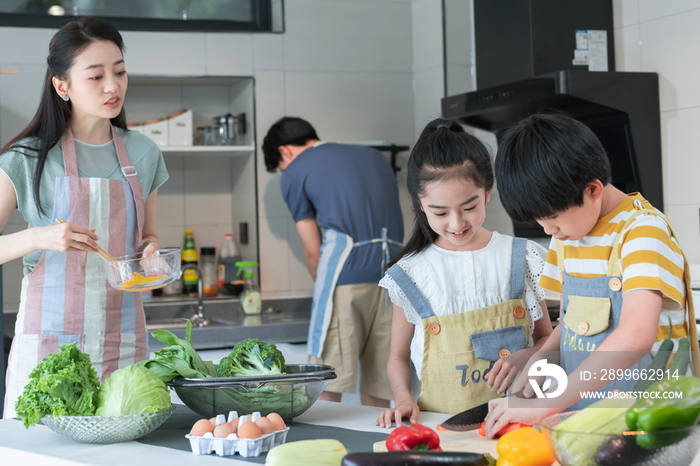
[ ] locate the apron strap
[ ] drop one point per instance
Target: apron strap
(70, 162)
(411, 291)
(560, 254)
(614, 268)
(517, 268)
(136, 188)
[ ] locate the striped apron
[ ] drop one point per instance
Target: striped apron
(335, 250)
(66, 298)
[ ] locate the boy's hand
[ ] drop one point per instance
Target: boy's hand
(404, 409)
(500, 415)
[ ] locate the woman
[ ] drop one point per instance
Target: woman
(77, 162)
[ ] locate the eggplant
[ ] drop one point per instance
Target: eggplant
(621, 450)
(415, 458)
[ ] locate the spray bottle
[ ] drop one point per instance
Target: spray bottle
(250, 298)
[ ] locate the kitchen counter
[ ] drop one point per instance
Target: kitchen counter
(283, 320)
(39, 445)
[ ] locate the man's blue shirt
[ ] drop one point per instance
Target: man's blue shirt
(350, 189)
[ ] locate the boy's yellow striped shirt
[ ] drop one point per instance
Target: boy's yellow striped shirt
(649, 259)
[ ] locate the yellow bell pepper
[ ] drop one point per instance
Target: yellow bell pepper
(524, 447)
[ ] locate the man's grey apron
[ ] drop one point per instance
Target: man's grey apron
(591, 310)
(335, 250)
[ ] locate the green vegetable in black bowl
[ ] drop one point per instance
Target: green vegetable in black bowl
(63, 384)
(252, 357)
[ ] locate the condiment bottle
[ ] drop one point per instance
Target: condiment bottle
(189, 257)
(250, 298)
(229, 254)
(209, 273)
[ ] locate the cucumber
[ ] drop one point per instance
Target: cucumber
(681, 359)
(659, 362)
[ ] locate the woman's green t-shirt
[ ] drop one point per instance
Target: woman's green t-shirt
(97, 161)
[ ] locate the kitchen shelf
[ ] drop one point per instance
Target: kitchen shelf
(223, 150)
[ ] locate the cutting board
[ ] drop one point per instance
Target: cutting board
(458, 441)
(470, 442)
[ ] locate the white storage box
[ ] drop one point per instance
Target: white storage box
(180, 128)
(157, 130)
(231, 445)
(135, 127)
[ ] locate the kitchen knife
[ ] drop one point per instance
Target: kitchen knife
(470, 419)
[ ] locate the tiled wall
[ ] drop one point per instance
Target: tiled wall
(664, 37)
(345, 65)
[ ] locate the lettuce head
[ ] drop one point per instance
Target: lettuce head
(132, 390)
(63, 384)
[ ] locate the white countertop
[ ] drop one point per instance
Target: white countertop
(40, 446)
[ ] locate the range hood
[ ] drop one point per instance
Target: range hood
(622, 108)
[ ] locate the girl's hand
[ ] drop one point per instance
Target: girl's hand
(65, 237)
(406, 409)
(505, 371)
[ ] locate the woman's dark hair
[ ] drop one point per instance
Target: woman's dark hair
(544, 164)
(53, 115)
(443, 150)
(288, 131)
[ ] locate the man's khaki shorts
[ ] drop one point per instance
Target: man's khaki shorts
(359, 331)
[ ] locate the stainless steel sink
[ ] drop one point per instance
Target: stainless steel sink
(283, 320)
(154, 324)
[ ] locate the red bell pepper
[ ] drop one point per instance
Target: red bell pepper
(507, 428)
(415, 437)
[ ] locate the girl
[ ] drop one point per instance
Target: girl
(467, 305)
(76, 161)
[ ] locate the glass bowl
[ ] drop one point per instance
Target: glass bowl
(288, 395)
(134, 273)
(676, 447)
(107, 429)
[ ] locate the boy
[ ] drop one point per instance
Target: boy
(613, 258)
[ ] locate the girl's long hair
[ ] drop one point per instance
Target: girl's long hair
(443, 150)
(53, 115)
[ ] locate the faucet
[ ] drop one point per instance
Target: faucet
(198, 318)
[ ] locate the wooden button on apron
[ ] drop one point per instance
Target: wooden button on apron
(519, 312)
(561, 277)
(434, 328)
(582, 328)
(504, 352)
(615, 284)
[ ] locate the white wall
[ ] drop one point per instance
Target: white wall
(344, 65)
(664, 37)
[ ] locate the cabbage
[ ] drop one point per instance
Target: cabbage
(132, 390)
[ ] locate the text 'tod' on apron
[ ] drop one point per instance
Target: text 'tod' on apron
(591, 309)
(66, 298)
(454, 366)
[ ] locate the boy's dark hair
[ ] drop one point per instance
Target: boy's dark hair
(288, 131)
(544, 163)
(443, 150)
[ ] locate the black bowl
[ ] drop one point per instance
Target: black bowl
(233, 289)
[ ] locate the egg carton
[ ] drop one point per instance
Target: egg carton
(206, 444)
